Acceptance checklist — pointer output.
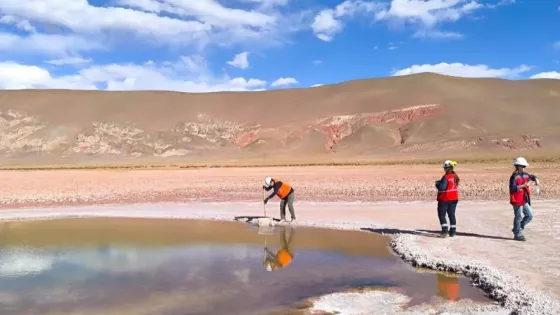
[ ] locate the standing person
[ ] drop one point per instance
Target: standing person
(286, 194)
(520, 197)
(447, 198)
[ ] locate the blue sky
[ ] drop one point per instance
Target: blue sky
(237, 45)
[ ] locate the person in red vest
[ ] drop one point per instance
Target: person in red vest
(447, 198)
(520, 197)
(286, 194)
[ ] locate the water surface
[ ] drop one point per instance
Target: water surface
(179, 267)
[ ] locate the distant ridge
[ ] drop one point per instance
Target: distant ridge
(418, 114)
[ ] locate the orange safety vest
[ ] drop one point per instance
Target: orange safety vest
(450, 193)
(284, 189)
(517, 198)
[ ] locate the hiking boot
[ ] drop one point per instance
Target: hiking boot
(519, 238)
(443, 234)
(451, 233)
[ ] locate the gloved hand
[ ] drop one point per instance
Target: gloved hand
(264, 187)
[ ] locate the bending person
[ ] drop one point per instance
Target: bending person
(286, 194)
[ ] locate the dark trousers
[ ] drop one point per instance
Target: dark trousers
(447, 207)
(289, 201)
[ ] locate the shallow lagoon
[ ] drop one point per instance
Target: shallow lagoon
(165, 266)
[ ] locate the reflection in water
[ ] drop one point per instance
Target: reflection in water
(140, 266)
(284, 255)
(448, 287)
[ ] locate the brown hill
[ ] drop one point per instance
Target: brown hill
(396, 116)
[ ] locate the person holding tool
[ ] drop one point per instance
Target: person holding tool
(286, 194)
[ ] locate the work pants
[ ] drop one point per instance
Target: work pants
(289, 200)
(519, 221)
(447, 207)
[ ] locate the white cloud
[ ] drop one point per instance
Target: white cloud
(18, 76)
(188, 74)
(463, 70)
(501, 3)
(547, 75)
(317, 85)
(240, 61)
(178, 22)
(317, 62)
(429, 13)
(46, 44)
(266, 4)
(69, 61)
(435, 34)
(17, 22)
(80, 16)
(206, 11)
(284, 82)
(423, 15)
(325, 26)
(327, 23)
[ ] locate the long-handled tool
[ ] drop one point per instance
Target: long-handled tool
(266, 221)
(264, 204)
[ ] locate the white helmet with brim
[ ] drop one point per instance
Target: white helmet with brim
(520, 161)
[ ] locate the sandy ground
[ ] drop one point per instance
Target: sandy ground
(352, 183)
(523, 277)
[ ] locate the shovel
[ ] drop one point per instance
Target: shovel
(266, 221)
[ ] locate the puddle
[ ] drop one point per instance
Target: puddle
(149, 266)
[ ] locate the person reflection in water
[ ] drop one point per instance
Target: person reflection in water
(283, 256)
(448, 287)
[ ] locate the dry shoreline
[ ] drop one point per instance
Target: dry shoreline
(395, 200)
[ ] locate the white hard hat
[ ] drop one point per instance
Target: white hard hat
(449, 163)
(520, 161)
(268, 181)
